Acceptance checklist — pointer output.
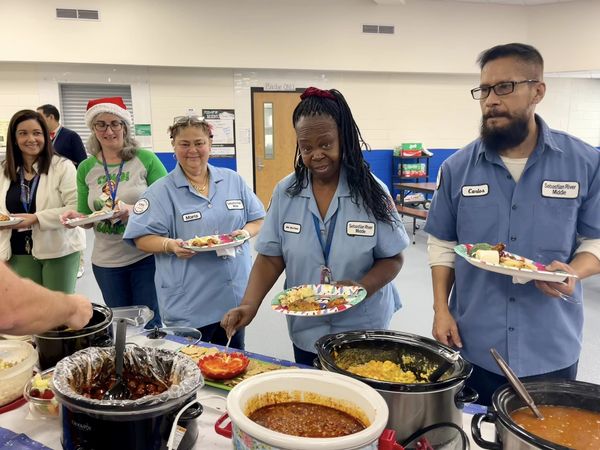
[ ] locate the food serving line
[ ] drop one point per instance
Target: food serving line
(37, 432)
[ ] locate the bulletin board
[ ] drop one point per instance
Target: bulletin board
(223, 123)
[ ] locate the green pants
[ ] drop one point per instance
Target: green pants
(58, 274)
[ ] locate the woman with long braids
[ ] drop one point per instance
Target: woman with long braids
(329, 221)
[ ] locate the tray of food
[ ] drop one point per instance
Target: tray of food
(6, 220)
(317, 299)
(221, 363)
(97, 216)
(495, 258)
(215, 242)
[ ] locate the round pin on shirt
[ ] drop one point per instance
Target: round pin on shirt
(141, 206)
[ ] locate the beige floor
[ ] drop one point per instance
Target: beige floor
(268, 333)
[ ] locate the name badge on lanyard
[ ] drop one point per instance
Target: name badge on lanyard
(112, 187)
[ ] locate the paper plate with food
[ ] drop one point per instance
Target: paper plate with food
(495, 258)
(215, 242)
(317, 299)
(97, 216)
(6, 221)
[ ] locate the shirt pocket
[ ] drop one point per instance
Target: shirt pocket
(555, 230)
(478, 223)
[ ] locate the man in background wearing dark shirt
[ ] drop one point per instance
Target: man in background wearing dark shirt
(66, 142)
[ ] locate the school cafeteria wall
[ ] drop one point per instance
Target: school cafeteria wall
(431, 36)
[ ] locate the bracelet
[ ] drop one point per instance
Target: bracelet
(165, 245)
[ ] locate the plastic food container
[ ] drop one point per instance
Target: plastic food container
(17, 359)
(42, 405)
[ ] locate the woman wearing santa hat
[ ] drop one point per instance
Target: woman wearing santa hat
(114, 177)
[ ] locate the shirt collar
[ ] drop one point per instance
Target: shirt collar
(343, 190)
(545, 140)
(181, 181)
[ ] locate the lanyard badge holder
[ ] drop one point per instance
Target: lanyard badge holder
(112, 186)
(326, 276)
(27, 195)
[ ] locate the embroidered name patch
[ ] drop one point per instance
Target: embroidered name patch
(141, 206)
(360, 229)
(292, 227)
(191, 216)
(560, 189)
(475, 191)
(234, 204)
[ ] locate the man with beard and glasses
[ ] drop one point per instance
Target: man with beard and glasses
(535, 189)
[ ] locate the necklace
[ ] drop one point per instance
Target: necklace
(196, 186)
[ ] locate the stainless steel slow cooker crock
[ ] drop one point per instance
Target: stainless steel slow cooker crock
(54, 345)
(550, 392)
(412, 406)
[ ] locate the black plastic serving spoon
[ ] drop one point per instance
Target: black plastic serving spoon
(119, 389)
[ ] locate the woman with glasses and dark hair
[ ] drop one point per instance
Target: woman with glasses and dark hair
(114, 177)
(329, 221)
(197, 199)
(36, 186)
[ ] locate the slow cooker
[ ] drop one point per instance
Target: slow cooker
(550, 392)
(54, 345)
(143, 424)
(412, 406)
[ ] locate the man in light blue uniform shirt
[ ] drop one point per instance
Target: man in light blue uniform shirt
(197, 292)
(359, 240)
(538, 191)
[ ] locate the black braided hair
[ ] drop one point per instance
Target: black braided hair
(363, 185)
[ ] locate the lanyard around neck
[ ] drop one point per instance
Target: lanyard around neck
(113, 191)
(326, 247)
(27, 192)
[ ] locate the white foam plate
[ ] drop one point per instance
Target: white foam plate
(91, 219)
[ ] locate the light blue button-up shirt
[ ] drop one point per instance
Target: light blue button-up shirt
(556, 200)
(289, 231)
(198, 291)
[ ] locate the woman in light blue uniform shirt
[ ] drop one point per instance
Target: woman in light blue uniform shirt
(196, 199)
(330, 219)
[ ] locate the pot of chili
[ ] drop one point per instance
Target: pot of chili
(300, 409)
(571, 411)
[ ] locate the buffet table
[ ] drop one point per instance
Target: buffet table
(31, 431)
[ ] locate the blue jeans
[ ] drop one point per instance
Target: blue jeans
(130, 285)
(486, 382)
(215, 334)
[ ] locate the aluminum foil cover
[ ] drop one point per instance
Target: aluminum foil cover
(87, 366)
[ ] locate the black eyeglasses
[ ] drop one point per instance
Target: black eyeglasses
(115, 125)
(502, 88)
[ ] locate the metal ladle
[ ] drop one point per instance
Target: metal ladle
(516, 383)
(119, 390)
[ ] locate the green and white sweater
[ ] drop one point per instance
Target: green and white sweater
(92, 195)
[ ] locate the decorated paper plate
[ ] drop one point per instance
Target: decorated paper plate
(10, 221)
(521, 269)
(215, 242)
(317, 299)
(97, 216)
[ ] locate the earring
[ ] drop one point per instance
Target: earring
(174, 156)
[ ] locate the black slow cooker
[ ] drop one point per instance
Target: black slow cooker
(54, 345)
(413, 406)
(505, 400)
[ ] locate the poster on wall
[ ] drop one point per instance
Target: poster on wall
(3, 132)
(223, 123)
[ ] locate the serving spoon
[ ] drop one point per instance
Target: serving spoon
(516, 383)
(119, 389)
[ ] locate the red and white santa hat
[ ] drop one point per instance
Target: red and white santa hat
(111, 105)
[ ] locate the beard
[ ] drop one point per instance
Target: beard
(503, 138)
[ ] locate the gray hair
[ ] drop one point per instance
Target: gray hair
(130, 145)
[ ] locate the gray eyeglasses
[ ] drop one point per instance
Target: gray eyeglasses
(187, 119)
(115, 125)
(502, 88)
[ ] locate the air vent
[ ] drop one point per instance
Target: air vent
(88, 14)
(62, 13)
(78, 14)
(378, 29)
